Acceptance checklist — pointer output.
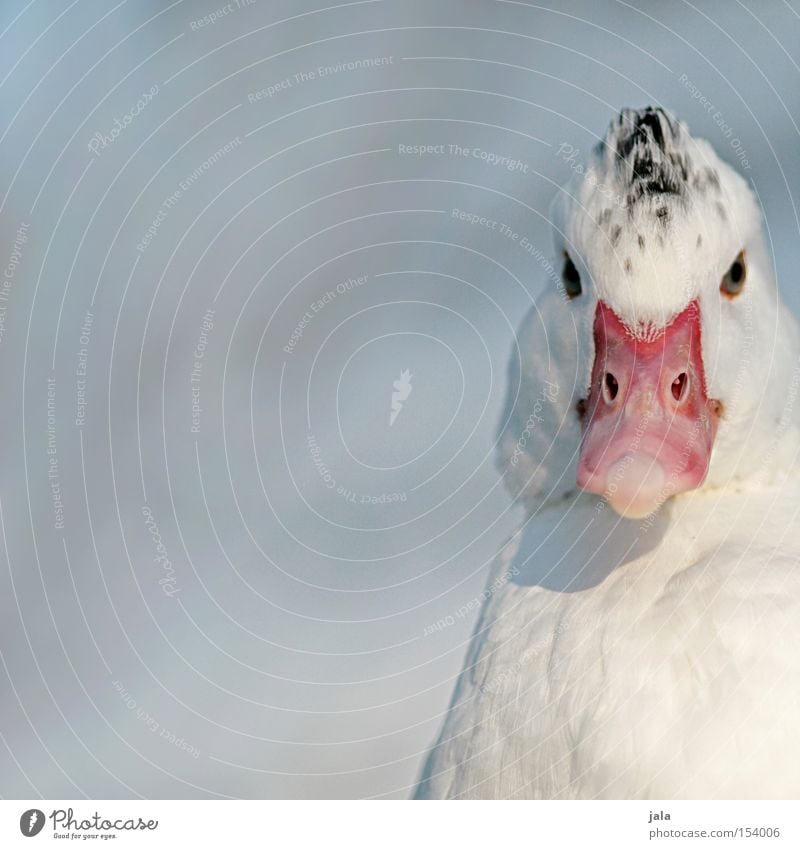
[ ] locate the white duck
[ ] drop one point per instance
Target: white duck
(656, 655)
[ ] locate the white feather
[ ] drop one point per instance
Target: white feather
(653, 659)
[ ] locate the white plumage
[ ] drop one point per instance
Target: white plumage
(655, 657)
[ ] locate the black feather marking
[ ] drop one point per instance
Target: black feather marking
(648, 154)
(699, 240)
(628, 265)
(641, 241)
(615, 234)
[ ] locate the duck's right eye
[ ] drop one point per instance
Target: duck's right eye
(571, 278)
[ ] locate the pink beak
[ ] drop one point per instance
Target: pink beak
(649, 426)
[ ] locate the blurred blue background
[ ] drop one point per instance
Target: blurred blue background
(226, 231)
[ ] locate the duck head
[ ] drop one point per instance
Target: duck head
(661, 327)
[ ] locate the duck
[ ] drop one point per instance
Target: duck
(640, 630)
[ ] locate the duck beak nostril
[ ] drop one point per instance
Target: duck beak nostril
(610, 387)
(680, 387)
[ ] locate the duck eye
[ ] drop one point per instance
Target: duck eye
(733, 280)
(571, 278)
